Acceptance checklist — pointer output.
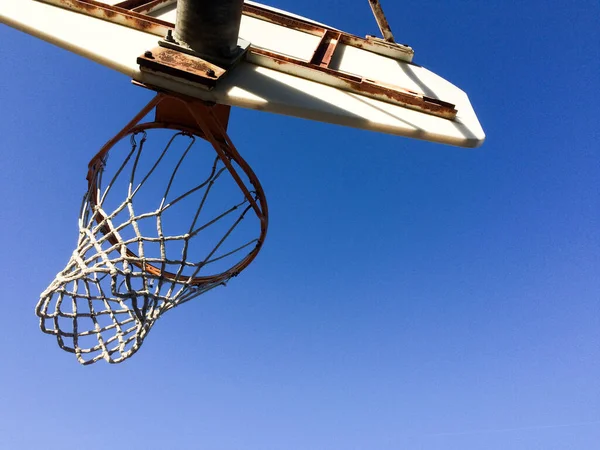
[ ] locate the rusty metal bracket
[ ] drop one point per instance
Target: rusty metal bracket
(181, 65)
(225, 63)
(169, 111)
(326, 48)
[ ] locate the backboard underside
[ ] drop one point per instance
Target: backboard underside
(294, 66)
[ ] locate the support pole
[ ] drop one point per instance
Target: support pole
(209, 27)
(382, 22)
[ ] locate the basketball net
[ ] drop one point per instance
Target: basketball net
(159, 225)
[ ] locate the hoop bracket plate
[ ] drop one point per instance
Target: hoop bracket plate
(181, 65)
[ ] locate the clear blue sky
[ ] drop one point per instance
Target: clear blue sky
(410, 295)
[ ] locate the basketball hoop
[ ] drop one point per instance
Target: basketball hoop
(147, 240)
(170, 225)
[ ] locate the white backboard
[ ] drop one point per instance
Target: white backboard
(350, 88)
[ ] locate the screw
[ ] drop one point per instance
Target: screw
(169, 36)
(148, 54)
(210, 73)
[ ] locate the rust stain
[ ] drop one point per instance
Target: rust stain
(360, 85)
(324, 52)
(382, 22)
(431, 105)
(126, 13)
(147, 7)
(289, 22)
(130, 4)
(208, 122)
(115, 14)
(318, 30)
(181, 65)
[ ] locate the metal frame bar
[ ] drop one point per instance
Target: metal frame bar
(351, 83)
(326, 48)
(382, 22)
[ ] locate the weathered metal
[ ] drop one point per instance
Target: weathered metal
(169, 111)
(210, 28)
(326, 48)
(131, 14)
(207, 122)
(148, 7)
(391, 49)
(293, 23)
(181, 65)
(382, 22)
(352, 83)
(115, 14)
(144, 6)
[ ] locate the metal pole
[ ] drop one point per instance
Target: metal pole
(382, 22)
(209, 27)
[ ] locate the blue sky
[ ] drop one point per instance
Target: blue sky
(409, 295)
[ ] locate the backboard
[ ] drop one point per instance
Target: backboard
(293, 66)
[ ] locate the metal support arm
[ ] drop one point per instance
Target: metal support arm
(382, 22)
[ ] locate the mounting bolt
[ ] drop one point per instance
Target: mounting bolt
(211, 73)
(148, 54)
(169, 37)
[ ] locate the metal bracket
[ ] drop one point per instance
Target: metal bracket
(181, 65)
(242, 48)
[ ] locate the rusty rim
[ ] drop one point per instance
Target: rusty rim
(210, 129)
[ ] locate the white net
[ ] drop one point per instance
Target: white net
(171, 223)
